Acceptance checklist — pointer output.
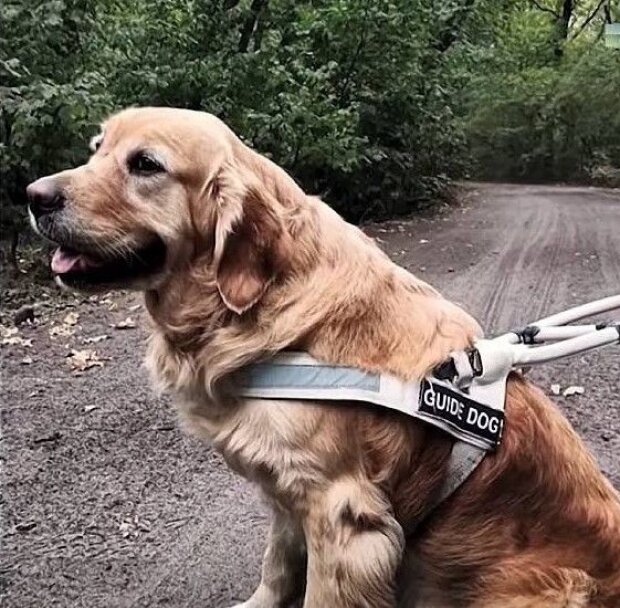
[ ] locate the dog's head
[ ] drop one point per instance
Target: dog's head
(162, 188)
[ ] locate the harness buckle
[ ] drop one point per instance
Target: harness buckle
(460, 368)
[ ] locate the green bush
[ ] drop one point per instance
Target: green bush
(348, 95)
(543, 107)
(373, 104)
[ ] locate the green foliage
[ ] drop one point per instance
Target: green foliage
(348, 95)
(372, 104)
(543, 102)
(48, 100)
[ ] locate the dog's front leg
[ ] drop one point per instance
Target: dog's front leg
(284, 566)
(355, 546)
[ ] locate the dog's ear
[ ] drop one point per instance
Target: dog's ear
(252, 247)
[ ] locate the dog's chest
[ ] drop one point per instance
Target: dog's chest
(267, 441)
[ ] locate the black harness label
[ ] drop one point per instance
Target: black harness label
(461, 413)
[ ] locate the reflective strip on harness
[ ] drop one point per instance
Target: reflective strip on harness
(474, 415)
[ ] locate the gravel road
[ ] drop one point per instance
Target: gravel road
(107, 504)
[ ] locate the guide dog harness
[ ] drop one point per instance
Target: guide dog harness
(463, 396)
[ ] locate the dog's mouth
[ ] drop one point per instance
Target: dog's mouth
(77, 268)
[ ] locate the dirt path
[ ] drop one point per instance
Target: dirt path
(107, 503)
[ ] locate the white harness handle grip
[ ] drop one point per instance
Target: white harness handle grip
(526, 355)
(581, 312)
(568, 339)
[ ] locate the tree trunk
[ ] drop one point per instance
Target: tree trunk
(562, 26)
(250, 24)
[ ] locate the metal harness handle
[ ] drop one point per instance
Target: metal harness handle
(530, 345)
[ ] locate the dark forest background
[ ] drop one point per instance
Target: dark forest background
(376, 105)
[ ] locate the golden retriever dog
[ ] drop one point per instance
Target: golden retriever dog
(237, 263)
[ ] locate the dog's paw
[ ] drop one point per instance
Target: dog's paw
(253, 602)
(266, 598)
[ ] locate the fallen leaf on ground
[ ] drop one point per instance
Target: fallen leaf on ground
(11, 340)
(61, 331)
(10, 337)
(7, 332)
(90, 408)
(71, 318)
(127, 323)
(573, 390)
(81, 360)
(131, 528)
(95, 339)
(555, 389)
(134, 307)
(125, 528)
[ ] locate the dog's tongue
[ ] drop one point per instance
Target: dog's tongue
(66, 261)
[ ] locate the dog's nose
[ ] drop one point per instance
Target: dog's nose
(45, 195)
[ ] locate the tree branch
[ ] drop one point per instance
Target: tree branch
(356, 54)
(250, 24)
(545, 9)
(589, 19)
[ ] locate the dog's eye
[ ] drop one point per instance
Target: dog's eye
(142, 164)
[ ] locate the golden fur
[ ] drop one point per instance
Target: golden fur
(255, 266)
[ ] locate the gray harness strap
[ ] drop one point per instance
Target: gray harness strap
(464, 460)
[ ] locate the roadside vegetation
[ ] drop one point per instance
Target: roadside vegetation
(374, 104)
